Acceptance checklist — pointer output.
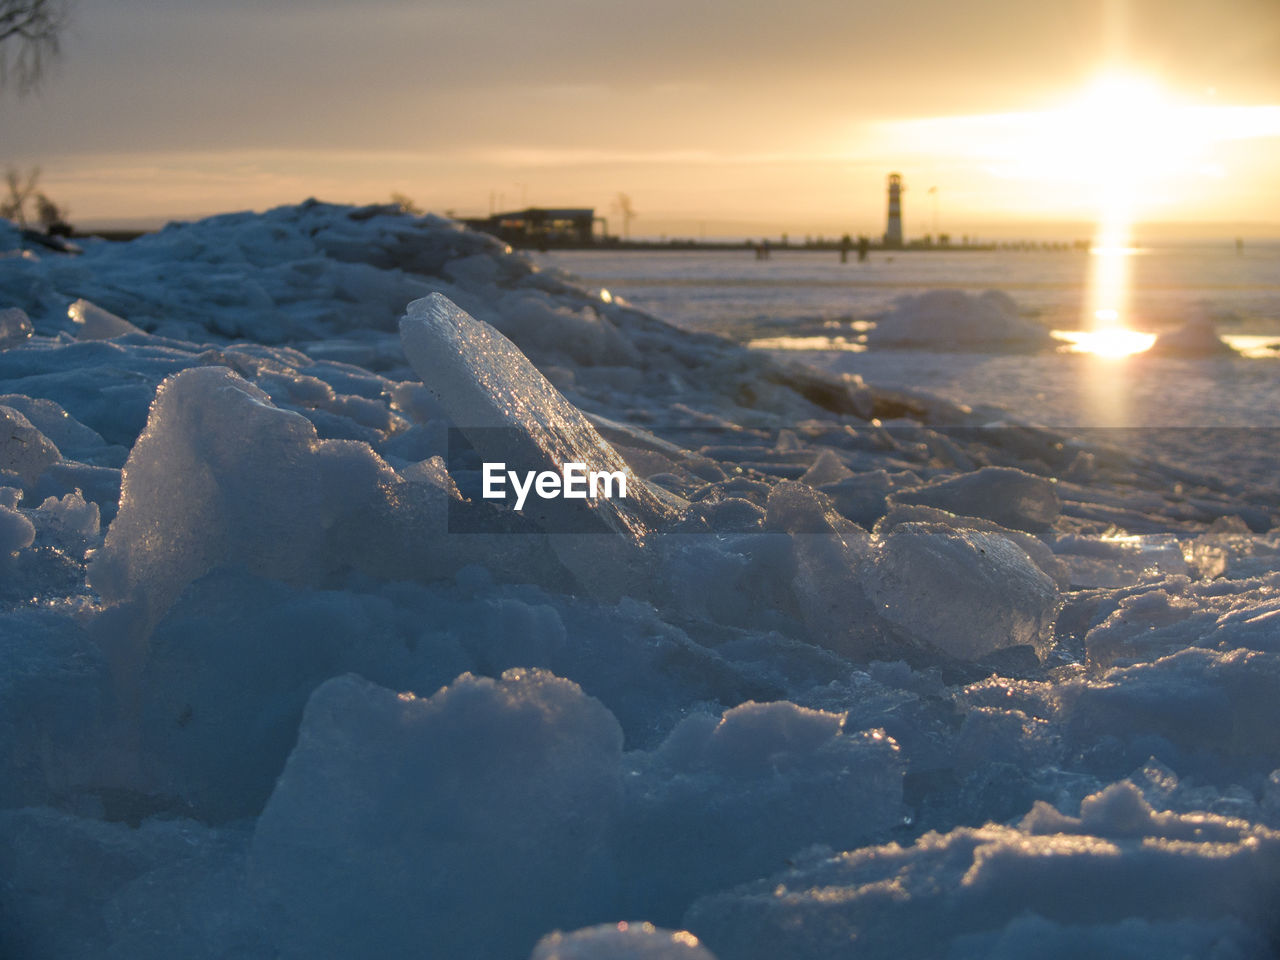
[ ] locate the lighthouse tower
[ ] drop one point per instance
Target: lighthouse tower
(893, 233)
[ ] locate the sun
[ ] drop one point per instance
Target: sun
(1123, 137)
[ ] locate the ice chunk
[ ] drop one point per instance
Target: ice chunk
(784, 776)
(1204, 711)
(72, 438)
(1004, 495)
(94, 323)
(862, 497)
(16, 531)
(15, 327)
(511, 414)
(826, 469)
(100, 485)
(24, 450)
(1119, 559)
(828, 564)
(621, 941)
(966, 593)
(1147, 626)
(219, 476)
(1035, 548)
(401, 821)
(70, 522)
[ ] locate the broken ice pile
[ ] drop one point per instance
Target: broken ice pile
(852, 665)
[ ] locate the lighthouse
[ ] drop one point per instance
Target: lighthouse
(893, 232)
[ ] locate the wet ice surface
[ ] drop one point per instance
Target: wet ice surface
(861, 665)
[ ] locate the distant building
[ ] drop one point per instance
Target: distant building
(893, 232)
(541, 226)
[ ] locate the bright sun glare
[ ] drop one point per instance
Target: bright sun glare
(1108, 341)
(1123, 136)
(1121, 128)
(1127, 130)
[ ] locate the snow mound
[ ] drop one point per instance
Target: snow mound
(400, 821)
(782, 775)
(953, 319)
(1195, 338)
(1118, 861)
(1202, 711)
(535, 321)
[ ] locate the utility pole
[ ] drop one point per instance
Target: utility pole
(623, 204)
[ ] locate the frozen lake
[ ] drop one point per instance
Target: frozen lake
(802, 294)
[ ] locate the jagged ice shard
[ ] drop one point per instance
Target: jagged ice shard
(511, 414)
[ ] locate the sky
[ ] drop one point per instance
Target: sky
(715, 117)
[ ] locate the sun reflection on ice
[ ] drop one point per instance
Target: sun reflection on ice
(1107, 342)
(1105, 334)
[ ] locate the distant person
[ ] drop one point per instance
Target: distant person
(846, 245)
(864, 247)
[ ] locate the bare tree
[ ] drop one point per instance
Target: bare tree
(52, 216)
(21, 189)
(404, 203)
(30, 31)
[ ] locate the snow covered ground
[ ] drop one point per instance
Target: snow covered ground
(856, 668)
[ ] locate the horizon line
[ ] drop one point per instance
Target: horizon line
(684, 226)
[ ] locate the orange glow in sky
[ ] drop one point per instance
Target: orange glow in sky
(714, 118)
(1123, 140)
